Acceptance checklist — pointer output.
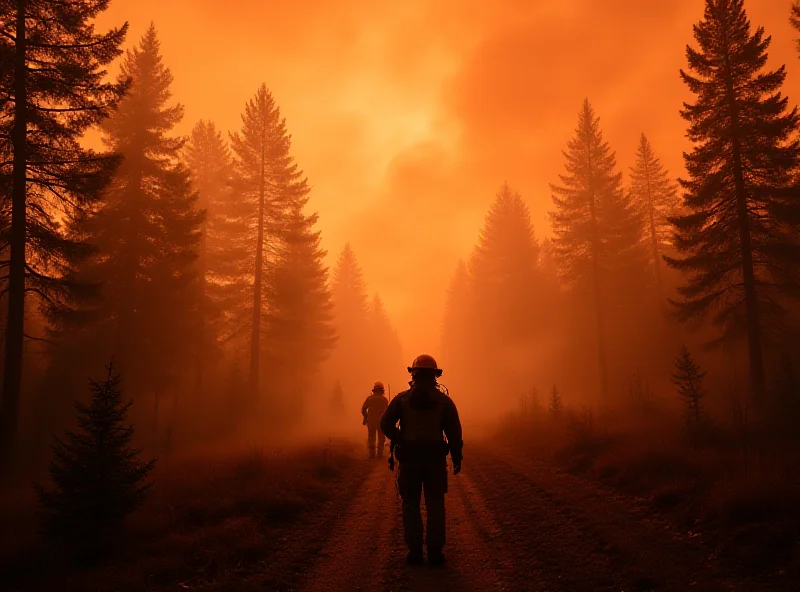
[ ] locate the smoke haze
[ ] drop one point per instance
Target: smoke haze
(407, 116)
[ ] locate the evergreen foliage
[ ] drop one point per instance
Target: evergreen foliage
(597, 242)
(655, 195)
(54, 88)
(738, 241)
(688, 377)
(299, 331)
(270, 185)
(145, 234)
(97, 477)
(503, 268)
(556, 404)
(209, 161)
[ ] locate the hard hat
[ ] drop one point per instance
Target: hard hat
(378, 387)
(425, 362)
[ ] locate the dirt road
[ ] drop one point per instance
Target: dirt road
(513, 524)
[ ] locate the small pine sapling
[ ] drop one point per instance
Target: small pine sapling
(556, 404)
(97, 477)
(688, 377)
(337, 398)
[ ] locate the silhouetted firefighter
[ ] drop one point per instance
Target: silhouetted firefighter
(426, 415)
(372, 410)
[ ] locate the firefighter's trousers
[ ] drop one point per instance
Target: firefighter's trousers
(374, 431)
(414, 478)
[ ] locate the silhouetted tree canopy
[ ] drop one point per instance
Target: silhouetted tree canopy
(145, 234)
(738, 241)
(655, 195)
(54, 89)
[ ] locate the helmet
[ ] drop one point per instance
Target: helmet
(378, 387)
(425, 362)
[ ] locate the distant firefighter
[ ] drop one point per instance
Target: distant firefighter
(426, 414)
(372, 410)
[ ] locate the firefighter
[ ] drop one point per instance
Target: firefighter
(425, 414)
(372, 410)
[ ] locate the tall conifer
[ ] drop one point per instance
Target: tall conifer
(146, 234)
(299, 332)
(597, 239)
(351, 310)
(656, 196)
(503, 268)
(210, 164)
(54, 89)
(385, 348)
(739, 240)
(269, 182)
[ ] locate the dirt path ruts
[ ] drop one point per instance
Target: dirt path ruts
(580, 538)
(367, 552)
(513, 525)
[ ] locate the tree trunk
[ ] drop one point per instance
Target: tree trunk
(598, 297)
(255, 338)
(202, 338)
(754, 345)
(653, 235)
(156, 408)
(12, 376)
(600, 314)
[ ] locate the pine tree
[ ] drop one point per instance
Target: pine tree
(503, 268)
(97, 477)
(269, 181)
(146, 234)
(54, 89)
(458, 314)
(597, 231)
(220, 280)
(459, 330)
(337, 399)
(349, 294)
(385, 350)
(529, 401)
(795, 19)
(738, 240)
(656, 196)
(556, 404)
(298, 319)
(688, 377)
(349, 289)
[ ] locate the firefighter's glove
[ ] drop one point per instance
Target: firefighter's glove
(364, 422)
(456, 468)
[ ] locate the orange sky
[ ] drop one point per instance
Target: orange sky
(407, 115)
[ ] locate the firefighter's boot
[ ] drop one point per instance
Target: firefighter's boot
(414, 556)
(435, 557)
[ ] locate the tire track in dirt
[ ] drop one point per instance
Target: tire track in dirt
(512, 525)
(501, 551)
(471, 563)
(366, 550)
(358, 554)
(580, 539)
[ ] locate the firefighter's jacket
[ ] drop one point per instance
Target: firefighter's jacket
(373, 408)
(426, 416)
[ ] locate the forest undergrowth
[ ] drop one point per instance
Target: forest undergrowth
(205, 520)
(731, 484)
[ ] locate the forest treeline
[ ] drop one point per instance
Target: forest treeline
(194, 262)
(638, 264)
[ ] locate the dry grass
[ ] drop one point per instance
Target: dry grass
(205, 520)
(740, 491)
